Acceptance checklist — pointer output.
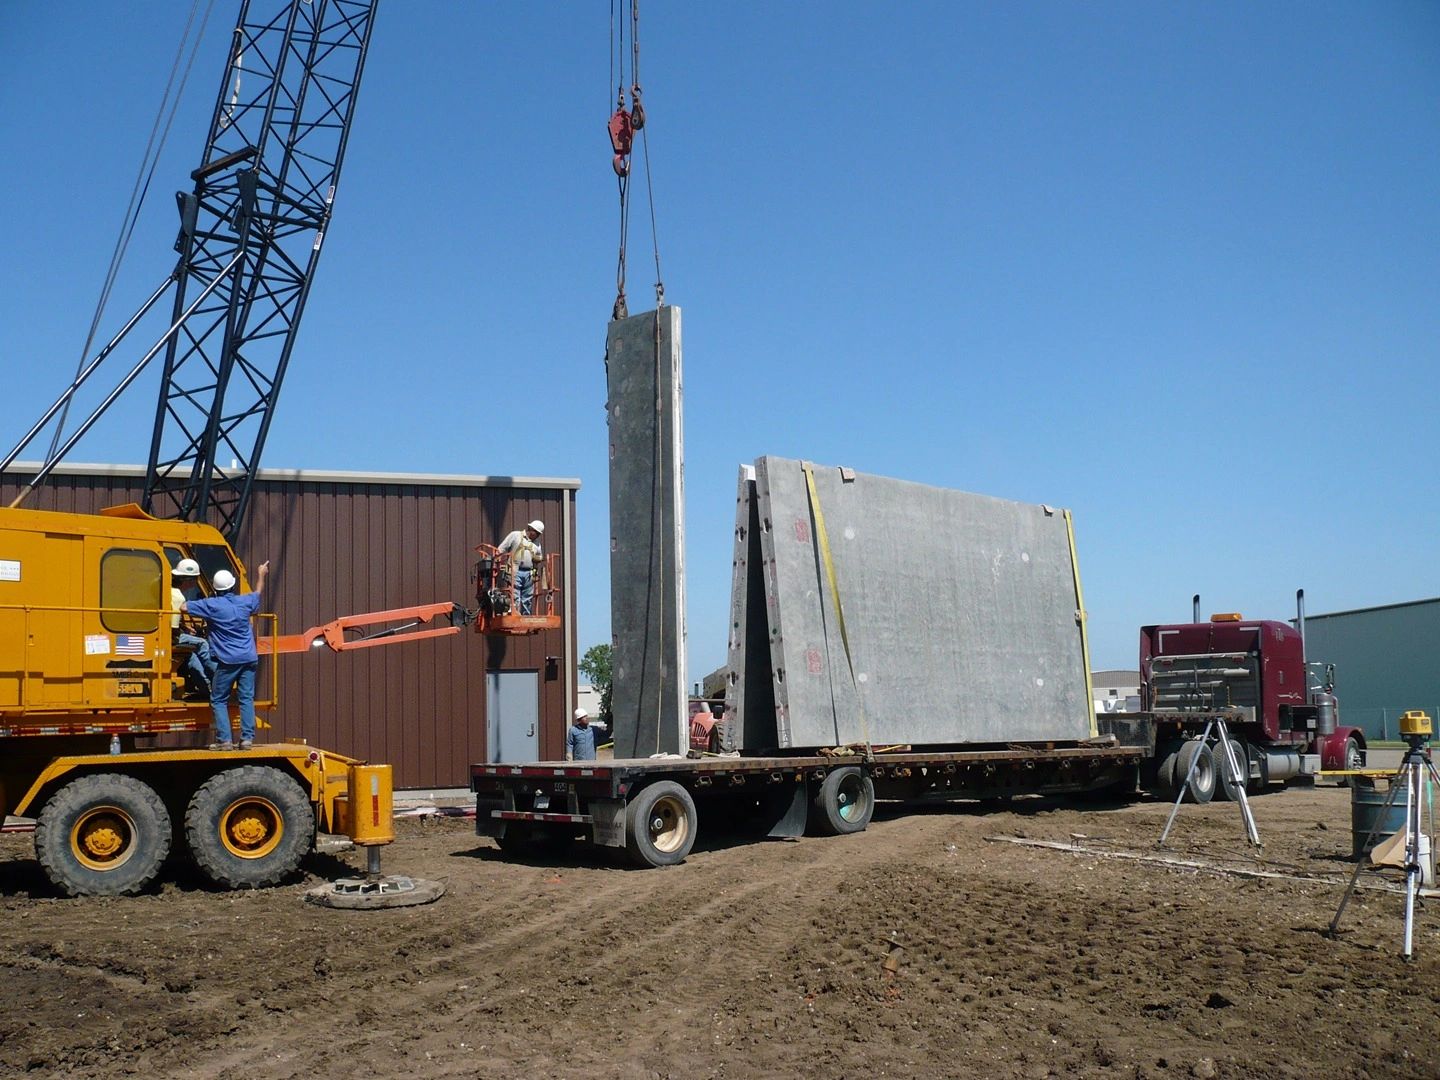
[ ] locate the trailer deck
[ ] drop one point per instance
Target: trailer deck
(550, 801)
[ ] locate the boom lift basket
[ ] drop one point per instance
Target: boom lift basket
(499, 611)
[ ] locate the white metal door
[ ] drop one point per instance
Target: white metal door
(513, 715)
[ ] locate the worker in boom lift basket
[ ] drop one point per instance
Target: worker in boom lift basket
(523, 550)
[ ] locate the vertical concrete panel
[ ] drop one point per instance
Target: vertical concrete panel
(647, 533)
(749, 693)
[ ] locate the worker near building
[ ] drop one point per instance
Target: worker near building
(232, 641)
(581, 738)
(199, 665)
(522, 548)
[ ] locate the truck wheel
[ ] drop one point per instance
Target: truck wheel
(517, 839)
(1202, 782)
(249, 827)
(844, 802)
(1225, 788)
(1166, 782)
(660, 825)
(1354, 759)
(103, 835)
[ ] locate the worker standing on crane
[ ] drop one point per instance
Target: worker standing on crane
(199, 666)
(522, 547)
(232, 640)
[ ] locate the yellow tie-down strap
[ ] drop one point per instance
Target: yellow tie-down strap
(1084, 620)
(823, 538)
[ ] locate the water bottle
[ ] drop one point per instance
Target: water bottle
(114, 744)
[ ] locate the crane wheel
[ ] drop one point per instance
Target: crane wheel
(249, 827)
(844, 802)
(103, 835)
(660, 825)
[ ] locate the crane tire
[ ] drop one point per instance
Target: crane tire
(660, 823)
(103, 835)
(843, 803)
(249, 827)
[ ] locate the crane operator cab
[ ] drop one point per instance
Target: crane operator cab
(515, 585)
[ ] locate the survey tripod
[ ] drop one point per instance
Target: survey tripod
(1415, 768)
(1233, 774)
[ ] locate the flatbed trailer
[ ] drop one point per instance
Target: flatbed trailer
(653, 807)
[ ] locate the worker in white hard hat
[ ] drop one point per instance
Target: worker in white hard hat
(522, 549)
(198, 667)
(581, 738)
(232, 640)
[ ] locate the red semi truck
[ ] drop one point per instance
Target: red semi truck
(1280, 710)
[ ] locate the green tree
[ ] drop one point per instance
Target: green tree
(595, 666)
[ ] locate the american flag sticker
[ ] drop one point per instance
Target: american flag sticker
(129, 645)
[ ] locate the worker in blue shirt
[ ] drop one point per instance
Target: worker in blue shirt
(580, 739)
(232, 646)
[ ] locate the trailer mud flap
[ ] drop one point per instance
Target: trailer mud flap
(607, 825)
(788, 810)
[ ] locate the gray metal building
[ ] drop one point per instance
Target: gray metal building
(344, 543)
(1387, 660)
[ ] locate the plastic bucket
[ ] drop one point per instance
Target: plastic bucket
(1367, 808)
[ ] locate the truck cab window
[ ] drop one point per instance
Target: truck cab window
(131, 579)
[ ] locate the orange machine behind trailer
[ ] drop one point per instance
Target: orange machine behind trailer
(89, 669)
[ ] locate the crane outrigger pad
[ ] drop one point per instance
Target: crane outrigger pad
(367, 894)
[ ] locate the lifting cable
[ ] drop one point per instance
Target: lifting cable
(623, 125)
(146, 173)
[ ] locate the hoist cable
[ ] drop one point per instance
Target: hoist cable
(143, 177)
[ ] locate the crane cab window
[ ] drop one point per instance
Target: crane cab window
(213, 557)
(131, 579)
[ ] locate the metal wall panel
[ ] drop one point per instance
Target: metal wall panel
(647, 534)
(342, 545)
(1387, 660)
(961, 612)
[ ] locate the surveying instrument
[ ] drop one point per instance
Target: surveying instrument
(1235, 777)
(1416, 767)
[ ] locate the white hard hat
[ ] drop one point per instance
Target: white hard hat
(186, 568)
(538, 526)
(223, 580)
(580, 714)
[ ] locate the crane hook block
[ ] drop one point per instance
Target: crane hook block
(622, 137)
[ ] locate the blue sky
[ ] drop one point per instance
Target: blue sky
(1174, 266)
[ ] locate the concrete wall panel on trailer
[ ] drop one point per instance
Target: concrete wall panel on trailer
(342, 544)
(749, 696)
(647, 533)
(962, 613)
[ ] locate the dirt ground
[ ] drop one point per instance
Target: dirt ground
(916, 948)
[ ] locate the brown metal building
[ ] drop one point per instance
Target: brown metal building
(343, 543)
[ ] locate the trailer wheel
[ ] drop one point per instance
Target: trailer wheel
(660, 825)
(1225, 788)
(844, 802)
(1202, 783)
(103, 835)
(249, 827)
